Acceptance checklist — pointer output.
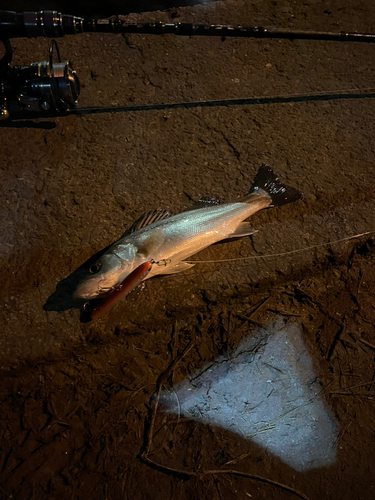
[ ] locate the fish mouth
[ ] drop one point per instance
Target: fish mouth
(106, 300)
(80, 294)
(99, 287)
(84, 291)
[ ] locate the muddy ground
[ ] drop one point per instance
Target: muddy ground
(79, 414)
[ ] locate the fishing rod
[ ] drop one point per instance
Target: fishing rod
(53, 24)
(54, 86)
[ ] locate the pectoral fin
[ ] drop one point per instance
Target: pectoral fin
(178, 268)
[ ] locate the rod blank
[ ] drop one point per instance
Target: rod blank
(53, 24)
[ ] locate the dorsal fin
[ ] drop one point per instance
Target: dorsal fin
(147, 219)
(205, 202)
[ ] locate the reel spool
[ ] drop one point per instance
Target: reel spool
(40, 87)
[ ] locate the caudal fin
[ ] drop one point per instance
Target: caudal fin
(267, 180)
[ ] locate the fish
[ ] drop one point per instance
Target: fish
(166, 240)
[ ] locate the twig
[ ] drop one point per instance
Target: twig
(150, 433)
(202, 474)
(179, 409)
(131, 396)
(257, 307)
(347, 389)
(164, 376)
(368, 394)
(164, 468)
(143, 350)
(253, 322)
(336, 338)
(159, 384)
(343, 430)
(255, 477)
(284, 313)
(5, 493)
(367, 343)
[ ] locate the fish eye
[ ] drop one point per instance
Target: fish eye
(95, 268)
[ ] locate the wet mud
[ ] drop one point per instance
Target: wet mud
(128, 406)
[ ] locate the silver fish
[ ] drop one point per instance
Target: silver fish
(168, 240)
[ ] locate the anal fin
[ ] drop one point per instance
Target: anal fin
(244, 229)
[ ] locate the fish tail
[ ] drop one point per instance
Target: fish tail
(266, 182)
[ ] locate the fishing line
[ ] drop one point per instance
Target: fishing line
(253, 257)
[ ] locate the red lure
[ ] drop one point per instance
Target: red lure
(121, 290)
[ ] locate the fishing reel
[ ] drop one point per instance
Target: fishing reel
(45, 86)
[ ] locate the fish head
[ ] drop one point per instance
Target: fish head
(107, 272)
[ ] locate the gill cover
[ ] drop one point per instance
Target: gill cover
(109, 270)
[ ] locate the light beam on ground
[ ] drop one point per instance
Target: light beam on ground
(265, 391)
